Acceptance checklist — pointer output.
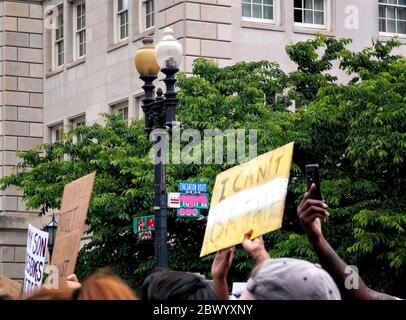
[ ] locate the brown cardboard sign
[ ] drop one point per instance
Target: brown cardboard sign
(71, 223)
(9, 287)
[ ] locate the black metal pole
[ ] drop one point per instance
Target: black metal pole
(161, 248)
(160, 113)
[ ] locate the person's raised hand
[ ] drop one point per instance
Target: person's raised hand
(311, 212)
(255, 248)
(72, 282)
(222, 263)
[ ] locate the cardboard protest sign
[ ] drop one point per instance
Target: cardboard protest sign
(249, 196)
(37, 247)
(9, 287)
(72, 217)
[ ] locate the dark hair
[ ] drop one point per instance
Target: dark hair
(170, 285)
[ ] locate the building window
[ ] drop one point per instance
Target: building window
(259, 10)
(58, 43)
(148, 14)
(57, 133)
(76, 123)
(121, 19)
(310, 13)
(392, 16)
(79, 23)
(122, 109)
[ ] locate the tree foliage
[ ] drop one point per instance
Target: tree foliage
(355, 131)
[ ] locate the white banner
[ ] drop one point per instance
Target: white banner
(37, 247)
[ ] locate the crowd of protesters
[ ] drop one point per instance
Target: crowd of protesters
(271, 279)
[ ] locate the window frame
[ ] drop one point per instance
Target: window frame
(76, 33)
(117, 21)
(276, 14)
(56, 131)
(385, 33)
(57, 42)
(326, 16)
(119, 107)
(77, 122)
(144, 14)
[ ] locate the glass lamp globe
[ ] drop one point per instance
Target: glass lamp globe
(169, 51)
(144, 60)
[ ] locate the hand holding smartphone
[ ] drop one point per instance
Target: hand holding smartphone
(312, 176)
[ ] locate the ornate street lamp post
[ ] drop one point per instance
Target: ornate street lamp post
(160, 114)
(51, 228)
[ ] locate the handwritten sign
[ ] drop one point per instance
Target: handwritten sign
(188, 213)
(193, 187)
(146, 223)
(248, 196)
(9, 287)
(198, 201)
(72, 218)
(37, 247)
(173, 199)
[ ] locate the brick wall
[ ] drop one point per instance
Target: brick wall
(21, 118)
(203, 26)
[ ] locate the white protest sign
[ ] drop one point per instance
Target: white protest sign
(37, 247)
(238, 289)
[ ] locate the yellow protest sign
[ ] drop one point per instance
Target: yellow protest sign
(249, 196)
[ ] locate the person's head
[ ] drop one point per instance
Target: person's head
(103, 286)
(290, 279)
(170, 285)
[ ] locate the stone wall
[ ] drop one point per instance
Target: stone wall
(21, 117)
(203, 26)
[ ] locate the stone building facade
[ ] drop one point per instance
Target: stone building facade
(64, 62)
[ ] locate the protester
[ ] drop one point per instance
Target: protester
(311, 212)
(72, 282)
(285, 278)
(163, 284)
(219, 271)
(51, 294)
(104, 286)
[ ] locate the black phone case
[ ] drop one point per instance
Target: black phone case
(312, 176)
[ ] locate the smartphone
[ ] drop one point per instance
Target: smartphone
(312, 176)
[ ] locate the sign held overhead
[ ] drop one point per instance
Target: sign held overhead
(249, 196)
(71, 223)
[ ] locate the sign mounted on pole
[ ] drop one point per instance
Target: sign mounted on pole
(145, 223)
(143, 227)
(197, 201)
(193, 187)
(192, 213)
(173, 199)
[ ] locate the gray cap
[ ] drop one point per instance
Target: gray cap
(292, 279)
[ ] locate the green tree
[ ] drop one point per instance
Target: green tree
(355, 131)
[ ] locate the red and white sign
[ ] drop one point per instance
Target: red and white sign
(174, 200)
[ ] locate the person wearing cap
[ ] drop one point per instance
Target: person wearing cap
(311, 213)
(285, 278)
